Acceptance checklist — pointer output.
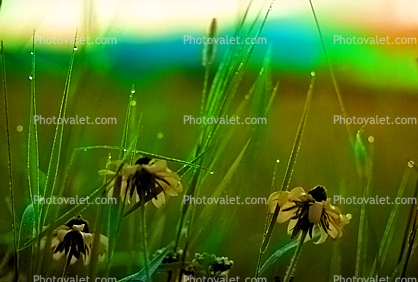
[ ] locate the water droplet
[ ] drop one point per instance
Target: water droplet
(133, 103)
(160, 135)
(312, 73)
(31, 53)
(85, 150)
(19, 128)
(277, 161)
(371, 139)
(30, 77)
(411, 164)
(247, 96)
(75, 48)
(125, 150)
(212, 172)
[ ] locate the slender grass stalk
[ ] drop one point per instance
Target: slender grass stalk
(290, 166)
(266, 226)
(411, 241)
(365, 167)
(386, 239)
(207, 60)
(332, 73)
(411, 164)
(144, 238)
(291, 269)
(57, 142)
(9, 158)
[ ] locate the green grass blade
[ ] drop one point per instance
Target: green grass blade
(33, 147)
(277, 255)
(55, 157)
(9, 155)
(291, 164)
(388, 233)
(364, 167)
(153, 265)
(331, 71)
(209, 210)
(26, 232)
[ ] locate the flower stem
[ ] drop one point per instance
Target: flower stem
(295, 257)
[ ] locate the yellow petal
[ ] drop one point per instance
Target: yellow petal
(160, 201)
(315, 212)
(295, 193)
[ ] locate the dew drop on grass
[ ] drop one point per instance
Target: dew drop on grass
(31, 53)
(411, 164)
(19, 128)
(212, 172)
(133, 103)
(371, 139)
(247, 97)
(30, 77)
(75, 48)
(277, 161)
(312, 73)
(160, 135)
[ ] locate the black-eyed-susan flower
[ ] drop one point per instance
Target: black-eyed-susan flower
(148, 178)
(308, 211)
(73, 242)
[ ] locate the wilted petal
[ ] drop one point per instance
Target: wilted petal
(160, 201)
(286, 212)
(295, 193)
(291, 226)
(279, 197)
(315, 212)
(324, 236)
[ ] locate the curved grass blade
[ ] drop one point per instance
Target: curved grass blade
(153, 265)
(9, 155)
(33, 147)
(57, 142)
(331, 71)
(388, 233)
(290, 167)
(26, 232)
(209, 210)
(364, 163)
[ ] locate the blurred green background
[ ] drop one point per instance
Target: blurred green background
(168, 76)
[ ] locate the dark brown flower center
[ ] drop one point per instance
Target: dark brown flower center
(78, 220)
(319, 193)
(143, 161)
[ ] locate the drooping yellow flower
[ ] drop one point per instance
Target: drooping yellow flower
(308, 212)
(148, 178)
(73, 242)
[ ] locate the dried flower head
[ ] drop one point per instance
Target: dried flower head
(148, 179)
(308, 212)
